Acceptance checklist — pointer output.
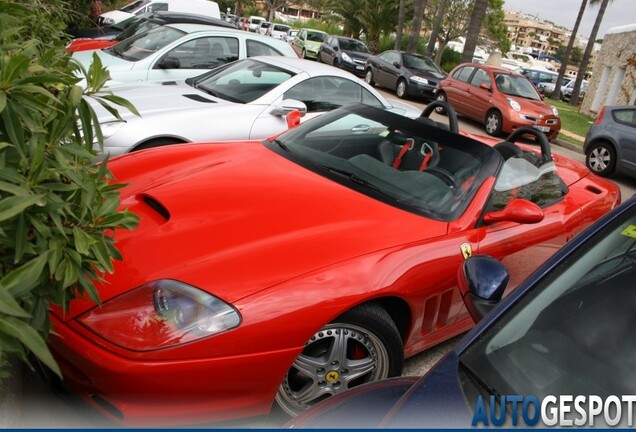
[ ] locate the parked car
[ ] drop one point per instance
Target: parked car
(278, 31)
(346, 53)
(307, 42)
(138, 7)
(307, 263)
(139, 24)
(410, 75)
(610, 144)
(547, 88)
(566, 330)
(254, 23)
(291, 35)
(500, 98)
(566, 90)
(244, 100)
(264, 27)
(539, 76)
(180, 51)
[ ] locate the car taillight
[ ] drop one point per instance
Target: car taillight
(599, 119)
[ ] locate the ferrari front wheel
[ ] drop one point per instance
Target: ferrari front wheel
(361, 346)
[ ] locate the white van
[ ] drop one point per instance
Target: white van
(254, 23)
(137, 7)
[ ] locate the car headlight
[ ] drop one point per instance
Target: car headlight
(555, 111)
(513, 104)
(346, 57)
(420, 80)
(160, 314)
(111, 128)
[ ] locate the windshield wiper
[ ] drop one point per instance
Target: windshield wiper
(281, 145)
(354, 178)
(477, 379)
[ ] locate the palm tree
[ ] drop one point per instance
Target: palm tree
(399, 29)
(556, 94)
(439, 19)
(474, 28)
(574, 99)
(418, 15)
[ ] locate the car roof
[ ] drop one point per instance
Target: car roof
(193, 28)
(314, 30)
(184, 17)
(492, 68)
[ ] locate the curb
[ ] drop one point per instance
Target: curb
(568, 145)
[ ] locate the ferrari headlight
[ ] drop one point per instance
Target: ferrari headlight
(346, 57)
(160, 314)
(420, 80)
(513, 104)
(555, 111)
(111, 128)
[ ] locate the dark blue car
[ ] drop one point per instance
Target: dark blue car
(346, 53)
(567, 330)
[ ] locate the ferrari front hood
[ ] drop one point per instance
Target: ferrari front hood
(235, 218)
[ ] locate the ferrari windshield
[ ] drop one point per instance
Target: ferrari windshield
(515, 85)
(142, 45)
(242, 81)
(414, 165)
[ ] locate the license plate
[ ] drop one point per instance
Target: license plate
(543, 128)
(360, 67)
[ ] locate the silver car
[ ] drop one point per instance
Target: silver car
(180, 51)
(610, 144)
(248, 99)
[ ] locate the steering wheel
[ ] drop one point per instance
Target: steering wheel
(546, 153)
(453, 125)
(445, 176)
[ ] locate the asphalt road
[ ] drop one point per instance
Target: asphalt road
(40, 408)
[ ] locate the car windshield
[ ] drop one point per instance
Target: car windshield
(281, 27)
(123, 25)
(142, 45)
(515, 85)
(409, 164)
(242, 81)
(353, 45)
(139, 25)
(132, 7)
(573, 333)
(422, 63)
(316, 36)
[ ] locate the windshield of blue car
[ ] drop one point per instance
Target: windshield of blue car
(242, 81)
(142, 45)
(417, 62)
(352, 45)
(409, 164)
(516, 85)
(573, 332)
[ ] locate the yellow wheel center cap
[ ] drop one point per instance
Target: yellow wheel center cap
(332, 376)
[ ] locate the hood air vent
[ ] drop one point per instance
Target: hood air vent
(199, 98)
(156, 206)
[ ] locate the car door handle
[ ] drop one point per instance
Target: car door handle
(360, 129)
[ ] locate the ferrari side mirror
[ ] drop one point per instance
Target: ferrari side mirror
(517, 210)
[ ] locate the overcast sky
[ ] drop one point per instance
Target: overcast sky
(563, 12)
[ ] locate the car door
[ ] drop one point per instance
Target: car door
(193, 57)
(299, 40)
(326, 51)
(387, 70)
(479, 99)
(625, 135)
(457, 90)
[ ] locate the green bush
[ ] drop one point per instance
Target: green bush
(57, 209)
(388, 42)
(450, 59)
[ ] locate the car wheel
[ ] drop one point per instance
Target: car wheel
(157, 142)
(368, 77)
(441, 96)
(601, 158)
(493, 123)
(360, 346)
(401, 89)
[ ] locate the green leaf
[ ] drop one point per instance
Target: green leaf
(9, 305)
(9, 207)
(31, 339)
(24, 278)
(82, 241)
(3, 100)
(20, 239)
(118, 100)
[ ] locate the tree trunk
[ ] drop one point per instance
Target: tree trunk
(474, 28)
(400, 25)
(418, 15)
(440, 52)
(439, 19)
(556, 94)
(574, 99)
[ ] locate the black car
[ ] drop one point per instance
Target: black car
(140, 23)
(346, 53)
(410, 75)
(565, 332)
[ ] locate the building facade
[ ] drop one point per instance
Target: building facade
(613, 79)
(527, 32)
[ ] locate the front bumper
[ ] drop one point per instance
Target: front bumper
(423, 91)
(137, 392)
(548, 125)
(354, 68)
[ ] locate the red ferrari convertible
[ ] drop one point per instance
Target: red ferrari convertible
(290, 270)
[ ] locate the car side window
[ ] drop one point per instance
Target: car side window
(625, 116)
(325, 93)
(205, 52)
(525, 177)
(257, 48)
(464, 74)
(481, 76)
(390, 57)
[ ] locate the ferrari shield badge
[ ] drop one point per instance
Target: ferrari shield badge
(466, 249)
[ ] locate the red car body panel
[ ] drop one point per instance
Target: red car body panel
(290, 250)
(90, 44)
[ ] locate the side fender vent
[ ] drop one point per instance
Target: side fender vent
(156, 206)
(199, 98)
